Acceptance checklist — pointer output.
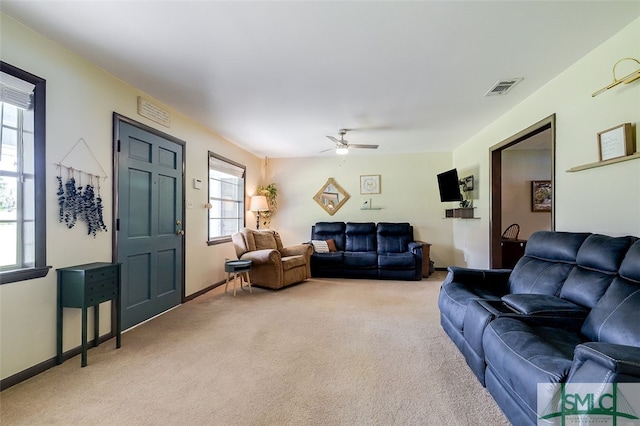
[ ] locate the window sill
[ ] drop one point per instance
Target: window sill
(23, 274)
(220, 240)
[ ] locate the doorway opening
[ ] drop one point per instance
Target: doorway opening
(515, 164)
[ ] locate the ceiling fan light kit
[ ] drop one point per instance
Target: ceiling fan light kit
(343, 145)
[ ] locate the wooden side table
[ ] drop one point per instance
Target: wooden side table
(235, 267)
(84, 286)
(426, 259)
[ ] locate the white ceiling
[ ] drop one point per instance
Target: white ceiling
(277, 77)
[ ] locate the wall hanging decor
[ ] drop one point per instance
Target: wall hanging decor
(80, 200)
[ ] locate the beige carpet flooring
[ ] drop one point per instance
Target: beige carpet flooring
(325, 352)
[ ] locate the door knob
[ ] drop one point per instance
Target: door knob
(180, 232)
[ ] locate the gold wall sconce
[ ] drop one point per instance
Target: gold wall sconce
(626, 79)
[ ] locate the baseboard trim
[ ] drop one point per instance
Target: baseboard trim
(203, 291)
(30, 372)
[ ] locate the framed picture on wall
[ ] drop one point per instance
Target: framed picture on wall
(541, 196)
(370, 184)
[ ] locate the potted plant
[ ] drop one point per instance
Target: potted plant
(271, 193)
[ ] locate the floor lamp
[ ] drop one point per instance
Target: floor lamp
(258, 204)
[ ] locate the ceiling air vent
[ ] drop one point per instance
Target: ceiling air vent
(502, 87)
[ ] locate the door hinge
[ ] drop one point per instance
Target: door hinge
(117, 224)
(118, 145)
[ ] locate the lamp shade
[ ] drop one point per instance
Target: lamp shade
(342, 150)
(258, 203)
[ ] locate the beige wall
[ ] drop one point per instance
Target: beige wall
(409, 193)
(604, 199)
(80, 101)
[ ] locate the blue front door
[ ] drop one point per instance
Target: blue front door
(150, 233)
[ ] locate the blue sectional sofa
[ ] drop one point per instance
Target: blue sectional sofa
(566, 313)
(367, 250)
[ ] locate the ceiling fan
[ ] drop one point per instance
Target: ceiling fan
(342, 145)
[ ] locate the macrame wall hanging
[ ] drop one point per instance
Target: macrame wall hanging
(80, 200)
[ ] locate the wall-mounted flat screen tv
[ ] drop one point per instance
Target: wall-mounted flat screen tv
(449, 186)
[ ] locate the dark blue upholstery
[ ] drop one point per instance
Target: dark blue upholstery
(328, 264)
(398, 254)
(588, 332)
(360, 237)
(330, 231)
(384, 250)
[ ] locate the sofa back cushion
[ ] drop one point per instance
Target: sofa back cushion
(597, 264)
(394, 237)
(614, 319)
(548, 259)
(330, 231)
(266, 240)
(260, 240)
(360, 236)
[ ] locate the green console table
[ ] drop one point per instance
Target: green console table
(83, 286)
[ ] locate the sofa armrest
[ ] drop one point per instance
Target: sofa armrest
(592, 360)
(415, 248)
(498, 308)
(544, 305)
(496, 278)
(263, 257)
(301, 249)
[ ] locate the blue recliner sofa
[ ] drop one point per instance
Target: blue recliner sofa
(566, 313)
(367, 250)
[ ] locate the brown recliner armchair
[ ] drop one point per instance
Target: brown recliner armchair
(272, 265)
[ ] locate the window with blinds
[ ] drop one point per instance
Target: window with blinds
(226, 197)
(22, 175)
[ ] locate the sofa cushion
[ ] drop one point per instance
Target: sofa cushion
(360, 237)
(331, 244)
(394, 237)
(521, 356)
(396, 261)
(548, 259)
(360, 260)
(614, 318)
(264, 240)
(598, 261)
(555, 246)
(330, 231)
(290, 262)
(454, 297)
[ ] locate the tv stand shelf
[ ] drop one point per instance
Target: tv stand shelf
(461, 213)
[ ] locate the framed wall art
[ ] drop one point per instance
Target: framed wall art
(541, 196)
(370, 184)
(615, 142)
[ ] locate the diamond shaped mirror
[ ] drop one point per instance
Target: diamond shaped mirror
(331, 196)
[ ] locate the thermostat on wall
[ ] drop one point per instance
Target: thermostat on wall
(197, 183)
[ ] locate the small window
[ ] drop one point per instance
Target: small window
(226, 197)
(22, 175)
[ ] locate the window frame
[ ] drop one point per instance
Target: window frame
(242, 200)
(40, 268)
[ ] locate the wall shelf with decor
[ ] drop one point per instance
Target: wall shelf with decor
(604, 163)
(461, 213)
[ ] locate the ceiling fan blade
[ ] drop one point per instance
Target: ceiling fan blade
(338, 141)
(358, 145)
(325, 150)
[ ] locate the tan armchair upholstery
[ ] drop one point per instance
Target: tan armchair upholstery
(273, 265)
